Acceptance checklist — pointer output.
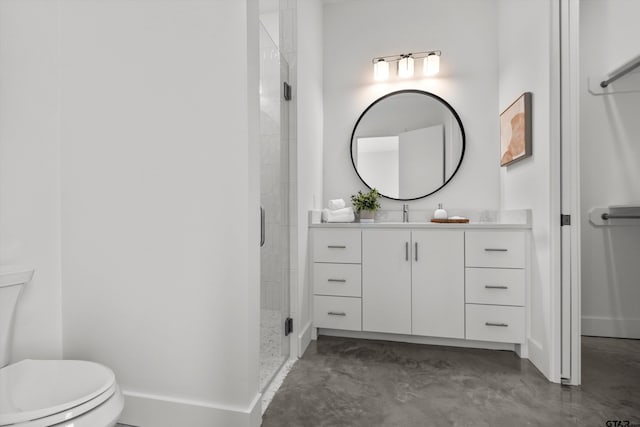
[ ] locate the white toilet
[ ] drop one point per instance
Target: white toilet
(39, 393)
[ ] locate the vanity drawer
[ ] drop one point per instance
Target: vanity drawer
(337, 313)
(494, 286)
(495, 323)
(337, 279)
(502, 249)
(343, 246)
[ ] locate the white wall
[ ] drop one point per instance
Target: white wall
(308, 171)
(143, 152)
(610, 169)
(160, 202)
(465, 31)
(30, 170)
(525, 65)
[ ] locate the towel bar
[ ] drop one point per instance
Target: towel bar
(616, 216)
(607, 216)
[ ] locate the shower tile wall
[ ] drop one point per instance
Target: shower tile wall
(274, 189)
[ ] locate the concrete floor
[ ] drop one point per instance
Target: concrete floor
(348, 382)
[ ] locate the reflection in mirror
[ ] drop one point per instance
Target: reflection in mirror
(407, 144)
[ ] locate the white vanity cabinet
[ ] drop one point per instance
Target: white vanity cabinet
(431, 282)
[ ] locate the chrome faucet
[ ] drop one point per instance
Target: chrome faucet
(405, 213)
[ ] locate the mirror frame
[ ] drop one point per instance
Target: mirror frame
(421, 92)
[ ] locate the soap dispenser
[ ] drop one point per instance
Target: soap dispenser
(440, 213)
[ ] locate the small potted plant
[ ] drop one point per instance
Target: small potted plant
(366, 204)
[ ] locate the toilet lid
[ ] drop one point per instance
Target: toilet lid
(33, 389)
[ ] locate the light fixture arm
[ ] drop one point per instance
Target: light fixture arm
(415, 55)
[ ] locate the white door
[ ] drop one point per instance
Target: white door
(386, 281)
(438, 283)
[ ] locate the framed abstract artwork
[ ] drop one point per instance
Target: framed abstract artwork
(515, 131)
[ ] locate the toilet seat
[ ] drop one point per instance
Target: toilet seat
(46, 392)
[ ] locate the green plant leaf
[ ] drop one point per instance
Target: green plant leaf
(366, 201)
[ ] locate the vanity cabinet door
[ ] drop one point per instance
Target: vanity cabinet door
(386, 281)
(438, 283)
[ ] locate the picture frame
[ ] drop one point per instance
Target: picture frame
(515, 131)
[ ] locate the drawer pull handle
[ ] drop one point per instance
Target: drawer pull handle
(337, 313)
(337, 247)
(495, 250)
(336, 280)
(504, 325)
(496, 287)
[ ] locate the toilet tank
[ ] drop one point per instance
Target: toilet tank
(12, 279)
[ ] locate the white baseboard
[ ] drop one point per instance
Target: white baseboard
(144, 410)
(414, 339)
(611, 327)
(304, 338)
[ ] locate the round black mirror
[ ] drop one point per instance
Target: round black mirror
(407, 144)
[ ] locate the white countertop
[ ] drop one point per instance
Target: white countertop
(514, 219)
(433, 225)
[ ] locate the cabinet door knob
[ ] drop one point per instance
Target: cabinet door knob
(503, 325)
(496, 287)
(337, 313)
(336, 280)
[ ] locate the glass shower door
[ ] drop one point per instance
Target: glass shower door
(274, 197)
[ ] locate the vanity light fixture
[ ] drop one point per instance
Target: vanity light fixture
(380, 69)
(405, 64)
(431, 65)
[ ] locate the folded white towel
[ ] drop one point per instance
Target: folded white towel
(339, 215)
(345, 218)
(340, 212)
(336, 204)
